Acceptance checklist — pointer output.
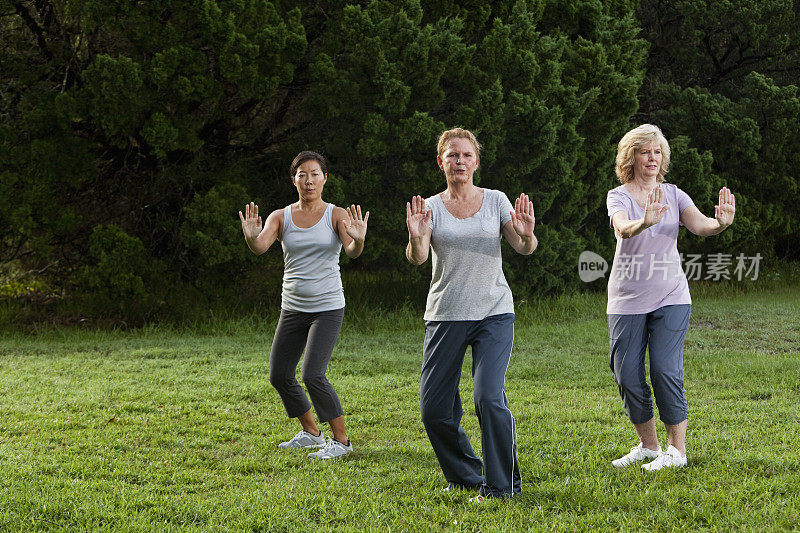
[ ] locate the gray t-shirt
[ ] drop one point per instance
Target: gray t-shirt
(467, 281)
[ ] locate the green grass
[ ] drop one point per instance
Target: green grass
(176, 430)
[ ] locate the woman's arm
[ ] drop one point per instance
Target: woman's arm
(351, 228)
(654, 211)
(519, 230)
(259, 240)
(724, 211)
(419, 231)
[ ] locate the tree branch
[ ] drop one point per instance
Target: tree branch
(34, 27)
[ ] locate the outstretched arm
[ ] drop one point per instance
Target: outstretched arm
(519, 230)
(724, 211)
(418, 221)
(352, 229)
(259, 240)
(654, 211)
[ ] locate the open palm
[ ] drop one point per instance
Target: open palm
(251, 222)
(655, 208)
(417, 219)
(726, 209)
(522, 216)
(356, 225)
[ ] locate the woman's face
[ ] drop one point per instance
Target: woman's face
(647, 161)
(459, 160)
(309, 180)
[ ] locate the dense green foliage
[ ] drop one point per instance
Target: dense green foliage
(722, 78)
(132, 132)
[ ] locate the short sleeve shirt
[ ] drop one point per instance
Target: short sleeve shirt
(467, 281)
(647, 272)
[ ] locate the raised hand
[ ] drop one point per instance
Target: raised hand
(655, 207)
(355, 224)
(726, 209)
(522, 216)
(417, 219)
(251, 222)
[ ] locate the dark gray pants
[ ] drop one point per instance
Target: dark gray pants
(317, 334)
(443, 355)
(662, 332)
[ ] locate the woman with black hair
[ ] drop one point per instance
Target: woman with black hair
(312, 233)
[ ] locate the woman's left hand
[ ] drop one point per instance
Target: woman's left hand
(355, 224)
(726, 209)
(522, 216)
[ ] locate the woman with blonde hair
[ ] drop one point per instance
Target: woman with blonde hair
(648, 295)
(469, 304)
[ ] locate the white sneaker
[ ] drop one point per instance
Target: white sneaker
(637, 454)
(304, 439)
(672, 458)
(332, 450)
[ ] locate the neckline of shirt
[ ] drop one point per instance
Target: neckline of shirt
(483, 202)
(291, 218)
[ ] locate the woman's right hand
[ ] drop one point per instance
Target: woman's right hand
(655, 207)
(251, 222)
(417, 219)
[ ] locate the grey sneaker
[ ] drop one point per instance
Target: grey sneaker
(304, 439)
(332, 450)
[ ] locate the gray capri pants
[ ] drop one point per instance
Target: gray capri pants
(662, 332)
(316, 333)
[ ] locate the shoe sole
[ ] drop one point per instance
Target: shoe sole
(632, 463)
(309, 447)
(311, 456)
(672, 467)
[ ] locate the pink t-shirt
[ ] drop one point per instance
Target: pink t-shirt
(647, 272)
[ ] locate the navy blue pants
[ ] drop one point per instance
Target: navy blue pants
(662, 332)
(443, 355)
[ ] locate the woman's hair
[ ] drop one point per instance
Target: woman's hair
(634, 139)
(307, 155)
(458, 133)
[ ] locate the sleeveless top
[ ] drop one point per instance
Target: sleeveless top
(311, 279)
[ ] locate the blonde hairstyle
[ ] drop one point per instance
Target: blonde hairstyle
(634, 139)
(458, 133)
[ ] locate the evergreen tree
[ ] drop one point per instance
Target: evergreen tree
(722, 80)
(133, 132)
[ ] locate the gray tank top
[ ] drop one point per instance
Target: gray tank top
(311, 279)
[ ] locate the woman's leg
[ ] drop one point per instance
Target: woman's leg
(322, 336)
(627, 336)
(287, 348)
(492, 340)
(667, 329)
(647, 434)
(628, 344)
(440, 403)
(676, 436)
(338, 429)
(307, 422)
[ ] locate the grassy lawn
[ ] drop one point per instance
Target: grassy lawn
(163, 429)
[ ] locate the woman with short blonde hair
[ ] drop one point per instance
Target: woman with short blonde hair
(636, 138)
(648, 295)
